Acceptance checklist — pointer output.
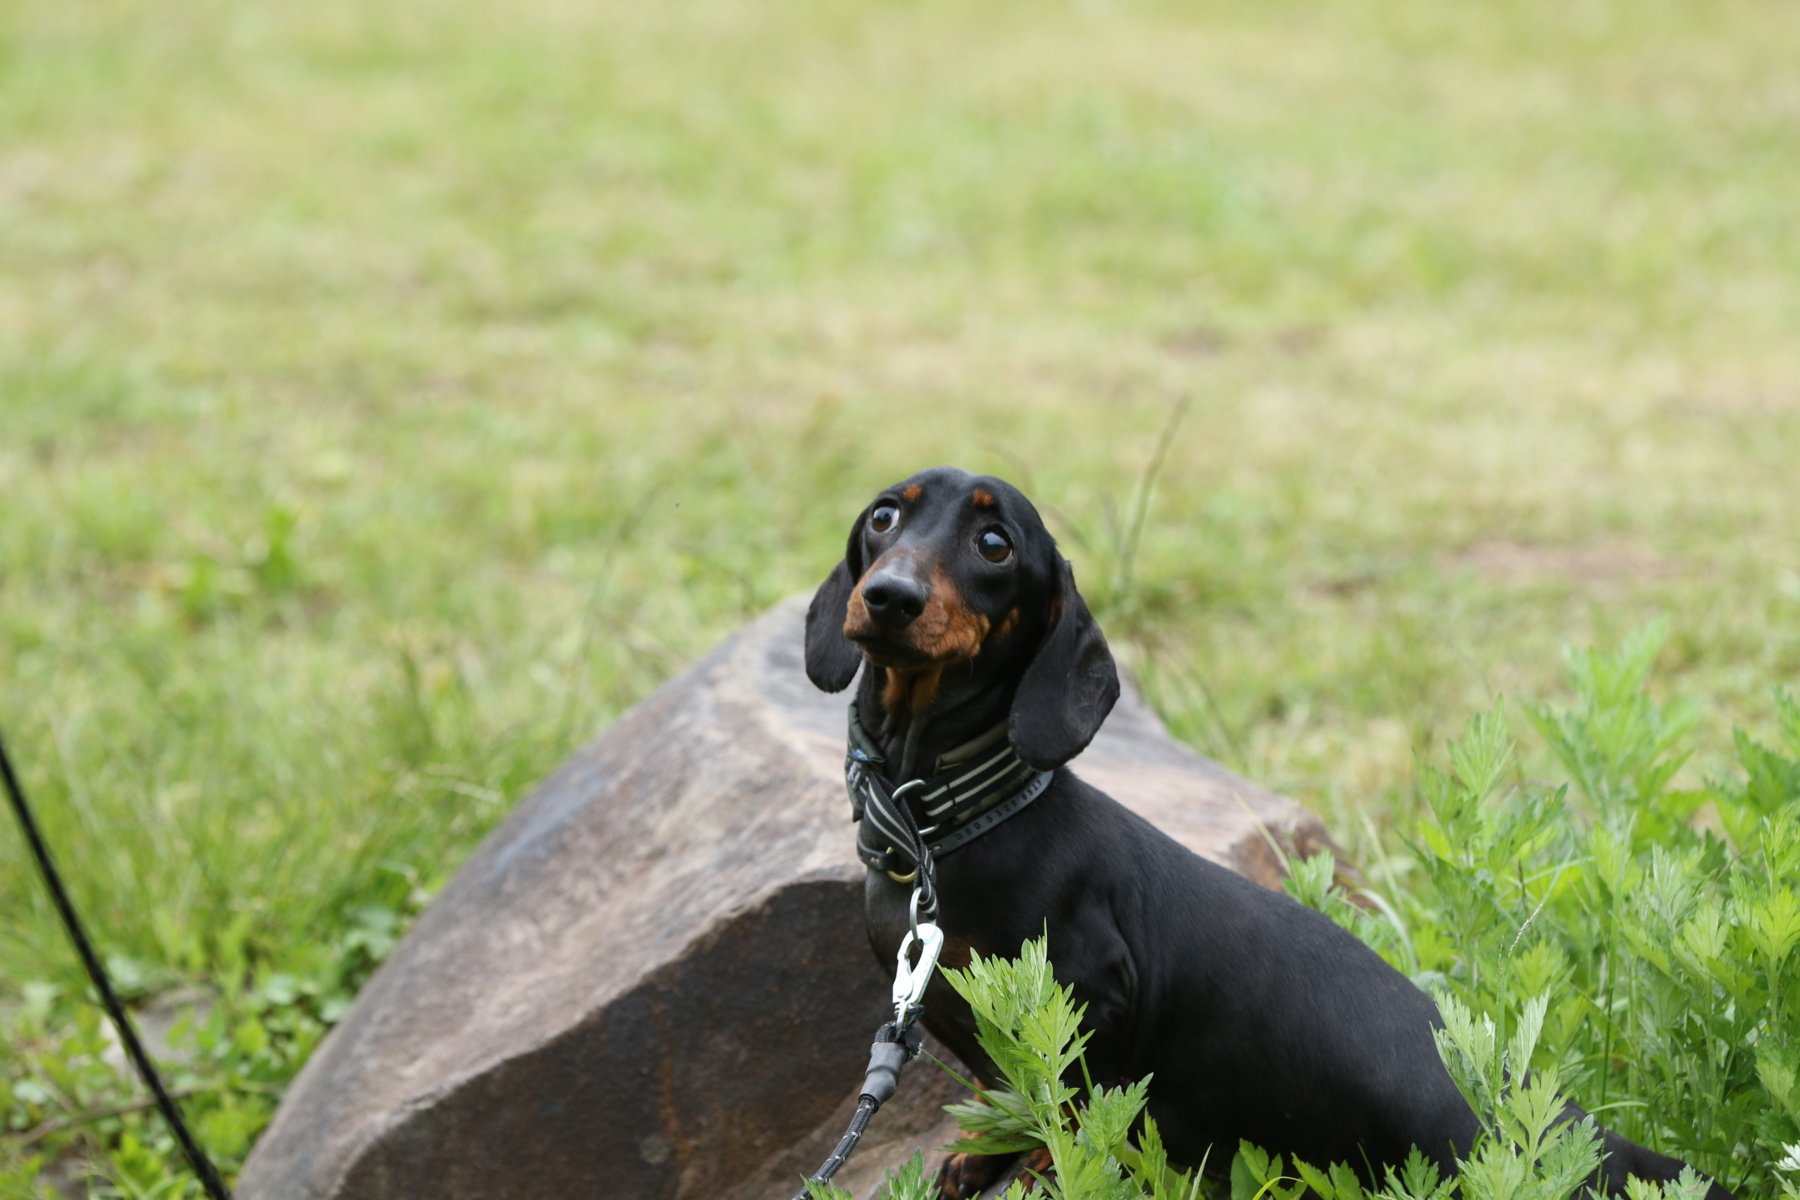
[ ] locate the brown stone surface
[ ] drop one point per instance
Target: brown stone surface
(652, 980)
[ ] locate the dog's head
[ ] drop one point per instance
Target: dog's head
(948, 568)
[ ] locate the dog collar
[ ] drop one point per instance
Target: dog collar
(976, 786)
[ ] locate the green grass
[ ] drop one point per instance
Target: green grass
(391, 395)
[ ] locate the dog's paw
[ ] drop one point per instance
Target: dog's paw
(966, 1176)
(1033, 1169)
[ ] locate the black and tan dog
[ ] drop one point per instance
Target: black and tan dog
(1259, 1018)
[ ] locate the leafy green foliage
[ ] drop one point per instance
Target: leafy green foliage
(73, 1098)
(1526, 1152)
(1668, 950)
(1619, 747)
(1029, 1025)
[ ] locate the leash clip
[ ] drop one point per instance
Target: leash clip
(910, 979)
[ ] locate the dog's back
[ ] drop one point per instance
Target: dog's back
(1258, 1018)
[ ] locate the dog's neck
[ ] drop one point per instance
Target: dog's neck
(960, 704)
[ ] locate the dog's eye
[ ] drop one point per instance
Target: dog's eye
(883, 518)
(993, 546)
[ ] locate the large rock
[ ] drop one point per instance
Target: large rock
(652, 979)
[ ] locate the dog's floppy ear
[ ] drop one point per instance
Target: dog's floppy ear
(832, 658)
(1069, 687)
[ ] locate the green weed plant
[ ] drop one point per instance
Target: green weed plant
(1663, 950)
(1588, 940)
(71, 1098)
(1030, 1026)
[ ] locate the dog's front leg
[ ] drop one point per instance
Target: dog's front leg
(966, 1176)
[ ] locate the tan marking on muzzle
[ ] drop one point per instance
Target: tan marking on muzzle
(948, 630)
(857, 620)
(945, 633)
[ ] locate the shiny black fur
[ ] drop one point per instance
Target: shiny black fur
(1259, 1018)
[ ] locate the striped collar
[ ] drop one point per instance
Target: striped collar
(975, 786)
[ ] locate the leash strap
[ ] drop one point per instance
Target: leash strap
(977, 786)
(203, 1166)
(896, 1044)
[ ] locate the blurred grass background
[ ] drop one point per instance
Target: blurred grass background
(392, 393)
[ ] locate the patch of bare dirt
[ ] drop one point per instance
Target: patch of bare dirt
(1599, 565)
(1199, 342)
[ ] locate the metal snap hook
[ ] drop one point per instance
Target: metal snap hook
(909, 978)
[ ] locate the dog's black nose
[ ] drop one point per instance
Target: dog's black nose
(894, 601)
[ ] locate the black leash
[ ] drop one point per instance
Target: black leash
(203, 1167)
(896, 1044)
(886, 812)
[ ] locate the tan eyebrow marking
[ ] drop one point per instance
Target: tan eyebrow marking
(912, 493)
(983, 499)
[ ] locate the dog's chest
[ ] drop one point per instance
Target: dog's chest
(885, 908)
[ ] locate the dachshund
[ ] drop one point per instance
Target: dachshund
(1258, 1018)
